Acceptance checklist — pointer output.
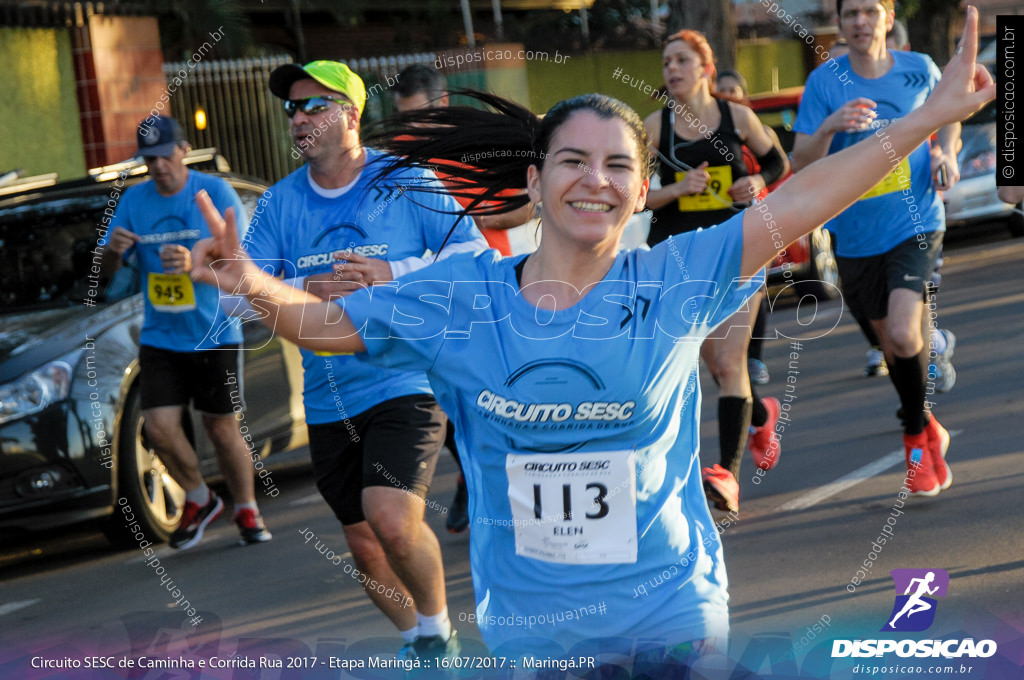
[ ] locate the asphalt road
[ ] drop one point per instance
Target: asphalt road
(804, 530)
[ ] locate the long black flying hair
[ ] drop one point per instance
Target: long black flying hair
(484, 154)
(480, 153)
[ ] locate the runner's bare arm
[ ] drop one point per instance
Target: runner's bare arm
(856, 114)
(294, 314)
(761, 140)
(1011, 194)
(120, 241)
(948, 139)
(694, 183)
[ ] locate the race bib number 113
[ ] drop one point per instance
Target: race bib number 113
(574, 508)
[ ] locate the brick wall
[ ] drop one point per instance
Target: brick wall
(119, 80)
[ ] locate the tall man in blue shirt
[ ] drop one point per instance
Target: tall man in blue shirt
(888, 241)
(181, 359)
(375, 434)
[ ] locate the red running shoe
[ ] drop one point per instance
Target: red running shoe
(920, 477)
(194, 520)
(721, 488)
(763, 442)
(938, 444)
(251, 527)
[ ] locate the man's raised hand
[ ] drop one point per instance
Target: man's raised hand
(966, 85)
(219, 260)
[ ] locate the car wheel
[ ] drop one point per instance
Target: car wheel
(144, 484)
(1016, 221)
(822, 280)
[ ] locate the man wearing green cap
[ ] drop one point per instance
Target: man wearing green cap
(375, 434)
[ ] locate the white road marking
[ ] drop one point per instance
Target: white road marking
(12, 607)
(879, 466)
(306, 500)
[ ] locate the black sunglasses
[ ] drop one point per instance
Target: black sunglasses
(311, 105)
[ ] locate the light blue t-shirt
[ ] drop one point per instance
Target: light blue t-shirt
(555, 412)
(180, 315)
(296, 231)
(907, 204)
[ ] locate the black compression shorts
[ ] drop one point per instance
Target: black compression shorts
(867, 281)
(395, 443)
(210, 379)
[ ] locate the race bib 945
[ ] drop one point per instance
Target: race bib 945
(171, 292)
(574, 508)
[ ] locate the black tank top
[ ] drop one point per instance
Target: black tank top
(724, 154)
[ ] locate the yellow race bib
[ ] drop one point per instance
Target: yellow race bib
(171, 292)
(715, 196)
(897, 180)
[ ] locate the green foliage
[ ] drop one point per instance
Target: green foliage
(40, 128)
(613, 24)
(186, 24)
(907, 9)
(911, 9)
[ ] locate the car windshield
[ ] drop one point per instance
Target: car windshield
(47, 256)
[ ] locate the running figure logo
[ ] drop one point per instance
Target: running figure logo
(914, 610)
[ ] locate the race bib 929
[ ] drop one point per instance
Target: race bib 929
(715, 196)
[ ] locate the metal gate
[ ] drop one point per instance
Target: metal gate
(227, 104)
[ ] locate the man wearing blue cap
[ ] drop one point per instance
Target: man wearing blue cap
(374, 434)
(155, 224)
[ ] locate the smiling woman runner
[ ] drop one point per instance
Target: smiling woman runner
(567, 369)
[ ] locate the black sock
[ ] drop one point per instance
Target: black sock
(733, 427)
(758, 413)
(908, 377)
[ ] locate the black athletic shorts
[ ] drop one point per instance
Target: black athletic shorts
(395, 443)
(867, 281)
(211, 379)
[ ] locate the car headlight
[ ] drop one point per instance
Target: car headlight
(35, 391)
(978, 164)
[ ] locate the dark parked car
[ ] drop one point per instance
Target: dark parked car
(808, 262)
(71, 438)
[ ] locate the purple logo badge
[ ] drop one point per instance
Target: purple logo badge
(916, 590)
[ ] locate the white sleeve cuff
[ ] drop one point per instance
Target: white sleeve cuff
(411, 264)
